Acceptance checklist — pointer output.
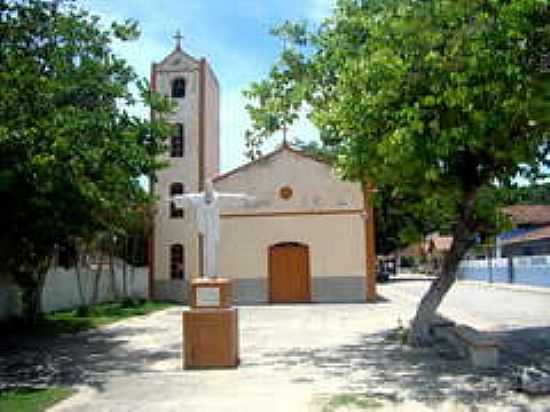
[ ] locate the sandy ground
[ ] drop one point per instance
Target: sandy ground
(294, 358)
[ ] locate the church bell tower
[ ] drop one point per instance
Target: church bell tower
(192, 156)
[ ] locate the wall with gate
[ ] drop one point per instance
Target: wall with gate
(69, 288)
(526, 270)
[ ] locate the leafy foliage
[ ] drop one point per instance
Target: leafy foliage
(71, 155)
(437, 98)
(534, 194)
(434, 95)
(400, 219)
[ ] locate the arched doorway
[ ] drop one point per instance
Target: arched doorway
(289, 273)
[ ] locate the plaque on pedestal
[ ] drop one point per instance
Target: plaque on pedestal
(211, 293)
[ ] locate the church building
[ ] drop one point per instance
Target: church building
(303, 239)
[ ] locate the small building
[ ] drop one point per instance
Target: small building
(531, 235)
(428, 254)
(304, 238)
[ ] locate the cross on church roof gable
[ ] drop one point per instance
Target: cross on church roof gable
(175, 55)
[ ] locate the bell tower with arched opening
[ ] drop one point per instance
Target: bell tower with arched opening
(192, 155)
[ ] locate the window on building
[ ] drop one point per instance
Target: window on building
(177, 146)
(176, 189)
(177, 262)
(178, 88)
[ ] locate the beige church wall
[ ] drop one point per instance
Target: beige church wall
(183, 169)
(181, 232)
(174, 231)
(314, 185)
(336, 243)
(336, 246)
(212, 124)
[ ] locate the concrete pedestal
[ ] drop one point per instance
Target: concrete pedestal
(211, 338)
(211, 326)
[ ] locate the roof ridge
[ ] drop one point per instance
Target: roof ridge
(284, 146)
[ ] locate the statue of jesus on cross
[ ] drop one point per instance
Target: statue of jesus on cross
(206, 216)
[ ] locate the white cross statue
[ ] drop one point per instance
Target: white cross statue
(206, 215)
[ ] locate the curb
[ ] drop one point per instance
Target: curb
(518, 287)
(507, 286)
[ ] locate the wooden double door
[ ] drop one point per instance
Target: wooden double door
(289, 273)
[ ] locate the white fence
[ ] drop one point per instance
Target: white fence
(527, 270)
(65, 289)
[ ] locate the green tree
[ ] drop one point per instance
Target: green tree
(443, 98)
(532, 194)
(71, 155)
(401, 218)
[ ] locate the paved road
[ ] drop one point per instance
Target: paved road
(491, 307)
(294, 358)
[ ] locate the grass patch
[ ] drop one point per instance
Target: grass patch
(351, 400)
(88, 317)
(31, 399)
(399, 334)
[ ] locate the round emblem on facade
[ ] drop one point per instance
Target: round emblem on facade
(285, 192)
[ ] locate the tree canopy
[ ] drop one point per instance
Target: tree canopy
(400, 218)
(436, 98)
(71, 156)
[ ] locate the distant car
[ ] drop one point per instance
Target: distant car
(382, 275)
(385, 268)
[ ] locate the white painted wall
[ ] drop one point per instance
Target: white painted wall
(61, 289)
(527, 270)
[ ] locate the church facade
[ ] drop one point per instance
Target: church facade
(303, 239)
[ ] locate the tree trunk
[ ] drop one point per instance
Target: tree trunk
(125, 267)
(82, 252)
(420, 334)
(112, 274)
(97, 279)
(33, 285)
(135, 247)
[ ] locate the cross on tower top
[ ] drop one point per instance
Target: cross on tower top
(178, 37)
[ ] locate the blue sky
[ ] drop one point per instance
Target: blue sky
(232, 35)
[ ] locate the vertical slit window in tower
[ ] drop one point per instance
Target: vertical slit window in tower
(176, 189)
(178, 88)
(177, 144)
(177, 261)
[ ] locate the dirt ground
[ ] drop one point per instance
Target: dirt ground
(318, 357)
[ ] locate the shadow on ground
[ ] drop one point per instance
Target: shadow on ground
(380, 367)
(84, 358)
(524, 347)
(375, 364)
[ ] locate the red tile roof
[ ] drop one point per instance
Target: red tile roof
(414, 250)
(434, 243)
(528, 214)
(441, 243)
